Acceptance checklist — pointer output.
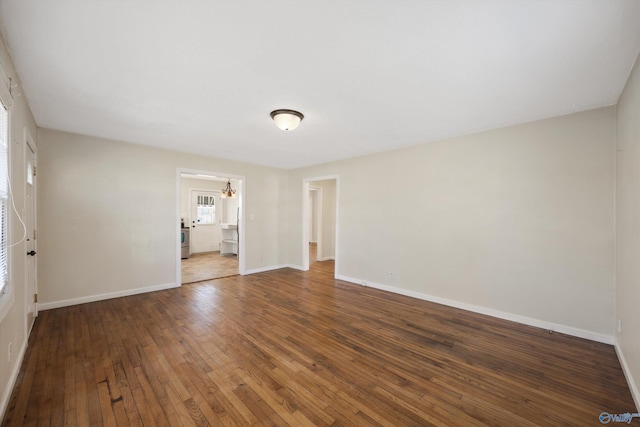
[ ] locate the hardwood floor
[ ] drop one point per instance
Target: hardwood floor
(300, 348)
(207, 266)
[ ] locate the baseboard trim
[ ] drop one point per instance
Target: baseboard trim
(101, 297)
(327, 258)
(556, 327)
(635, 393)
(4, 403)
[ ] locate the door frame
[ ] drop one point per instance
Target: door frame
(306, 185)
(241, 223)
(29, 144)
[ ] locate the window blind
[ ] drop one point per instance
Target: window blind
(4, 197)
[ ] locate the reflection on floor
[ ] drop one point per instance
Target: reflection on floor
(209, 265)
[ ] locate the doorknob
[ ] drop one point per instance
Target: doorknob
(32, 253)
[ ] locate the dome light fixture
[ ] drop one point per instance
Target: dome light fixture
(287, 119)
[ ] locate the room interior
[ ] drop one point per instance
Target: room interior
(480, 180)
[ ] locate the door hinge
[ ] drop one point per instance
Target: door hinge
(35, 234)
(34, 170)
(35, 297)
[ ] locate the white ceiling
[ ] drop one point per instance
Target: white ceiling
(202, 76)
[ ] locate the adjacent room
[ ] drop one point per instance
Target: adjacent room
(320, 213)
(209, 217)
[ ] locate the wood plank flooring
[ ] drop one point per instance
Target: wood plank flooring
(300, 348)
(207, 266)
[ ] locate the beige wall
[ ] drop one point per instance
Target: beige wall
(13, 324)
(516, 222)
(628, 231)
(108, 216)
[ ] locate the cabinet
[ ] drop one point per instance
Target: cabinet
(229, 239)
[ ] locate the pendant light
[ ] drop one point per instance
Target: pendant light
(228, 191)
(287, 119)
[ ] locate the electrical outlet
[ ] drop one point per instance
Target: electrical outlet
(9, 350)
(391, 275)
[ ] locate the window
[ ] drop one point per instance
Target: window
(4, 197)
(206, 210)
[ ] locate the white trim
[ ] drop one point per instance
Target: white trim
(264, 269)
(102, 297)
(13, 376)
(635, 393)
(326, 258)
(556, 327)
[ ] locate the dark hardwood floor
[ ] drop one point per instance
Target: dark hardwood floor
(295, 348)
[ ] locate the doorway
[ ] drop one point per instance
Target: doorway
(320, 196)
(210, 222)
(314, 222)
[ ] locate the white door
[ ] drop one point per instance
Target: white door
(205, 222)
(30, 222)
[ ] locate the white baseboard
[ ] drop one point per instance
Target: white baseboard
(264, 269)
(101, 297)
(556, 327)
(635, 393)
(326, 258)
(6, 394)
(296, 267)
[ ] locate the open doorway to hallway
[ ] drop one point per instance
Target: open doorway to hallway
(209, 226)
(319, 207)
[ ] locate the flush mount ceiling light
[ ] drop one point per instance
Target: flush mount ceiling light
(228, 191)
(287, 119)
